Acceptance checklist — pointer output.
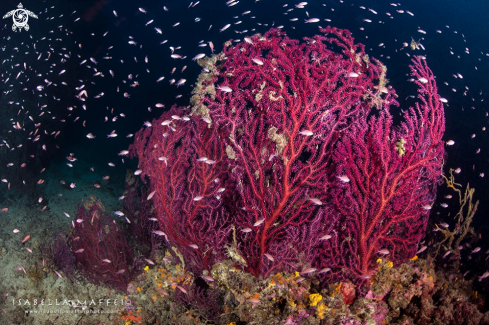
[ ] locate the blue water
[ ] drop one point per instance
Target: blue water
(463, 26)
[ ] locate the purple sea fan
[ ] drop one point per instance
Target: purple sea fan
(62, 256)
(100, 247)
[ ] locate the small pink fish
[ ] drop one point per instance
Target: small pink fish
(28, 249)
(163, 292)
(26, 238)
(106, 260)
(150, 196)
(124, 153)
(149, 261)
(57, 273)
(422, 249)
(308, 271)
(477, 249)
(306, 133)
(316, 201)
(325, 270)
(207, 278)
(198, 57)
(257, 61)
(384, 251)
(483, 276)
(158, 232)
(78, 251)
(120, 271)
(182, 289)
(226, 89)
(254, 300)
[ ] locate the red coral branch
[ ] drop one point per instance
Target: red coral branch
(183, 160)
(283, 128)
(393, 173)
(289, 104)
(100, 247)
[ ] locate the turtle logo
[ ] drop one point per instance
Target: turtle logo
(20, 17)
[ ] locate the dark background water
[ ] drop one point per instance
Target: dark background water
(465, 114)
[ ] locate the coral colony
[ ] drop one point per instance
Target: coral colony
(288, 160)
(284, 177)
(284, 194)
(100, 247)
